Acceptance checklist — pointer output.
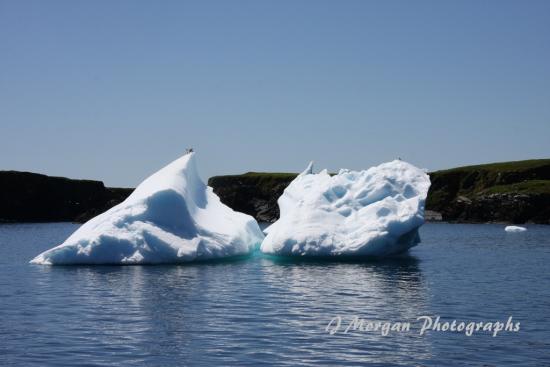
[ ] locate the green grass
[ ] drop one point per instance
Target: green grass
(531, 187)
(501, 177)
(513, 166)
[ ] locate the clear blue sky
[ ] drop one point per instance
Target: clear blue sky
(113, 90)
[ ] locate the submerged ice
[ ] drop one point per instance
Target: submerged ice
(171, 217)
(376, 212)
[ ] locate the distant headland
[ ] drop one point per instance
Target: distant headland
(507, 192)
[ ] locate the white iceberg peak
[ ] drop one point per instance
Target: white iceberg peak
(375, 212)
(171, 217)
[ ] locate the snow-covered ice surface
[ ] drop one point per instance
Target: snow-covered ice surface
(376, 213)
(171, 217)
(515, 229)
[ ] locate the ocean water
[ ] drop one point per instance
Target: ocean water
(265, 311)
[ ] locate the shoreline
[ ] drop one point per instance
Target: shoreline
(501, 193)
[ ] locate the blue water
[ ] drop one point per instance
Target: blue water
(263, 311)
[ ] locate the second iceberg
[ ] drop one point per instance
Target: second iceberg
(376, 212)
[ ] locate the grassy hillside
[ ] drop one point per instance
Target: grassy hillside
(519, 177)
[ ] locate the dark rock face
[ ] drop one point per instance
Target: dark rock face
(506, 207)
(255, 194)
(31, 197)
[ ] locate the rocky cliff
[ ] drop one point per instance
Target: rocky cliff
(31, 197)
(515, 192)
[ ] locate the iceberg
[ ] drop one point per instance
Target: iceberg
(369, 213)
(171, 217)
(515, 229)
